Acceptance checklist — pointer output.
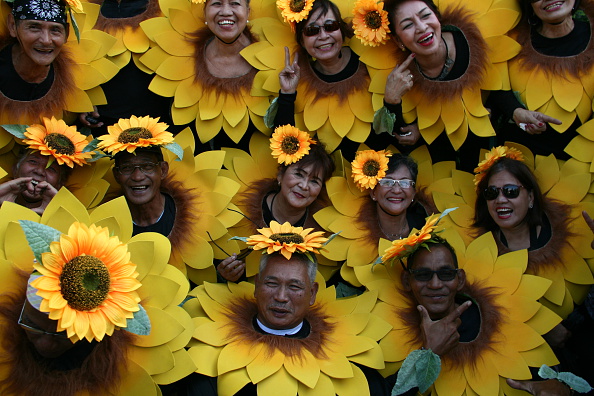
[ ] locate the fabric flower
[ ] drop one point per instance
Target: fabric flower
(491, 157)
(131, 133)
(369, 167)
(289, 144)
(370, 22)
(294, 10)
(402, 248)
(287, 239)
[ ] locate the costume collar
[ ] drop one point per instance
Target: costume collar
(282, 332)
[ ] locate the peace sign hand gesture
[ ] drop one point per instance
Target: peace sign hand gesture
(289, 76)
(441, 336)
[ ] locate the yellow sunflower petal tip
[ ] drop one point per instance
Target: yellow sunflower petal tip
(369, 167)
(289, 144)
(59, 140)
(492, 157)
(134, 132)
(75, 5)
(286, 239)
(370, 22)
(294, 11)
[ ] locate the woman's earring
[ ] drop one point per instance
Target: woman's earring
(279, 183)
(247, 21)
(531, 205)
(206, 23)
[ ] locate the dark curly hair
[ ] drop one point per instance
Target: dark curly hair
(325, 6)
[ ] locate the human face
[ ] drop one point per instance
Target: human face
(300, 185)
(509, 213)
(284, 293)
(324, 46)
(35, 166)
(435, 295)
(39, 41)
(140, 188)
(417, 27)
(226, 18)
(553, 11)
(47, 345)
(395, 200)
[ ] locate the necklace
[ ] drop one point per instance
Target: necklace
(299, 222)
(393, 236)
(447, 65)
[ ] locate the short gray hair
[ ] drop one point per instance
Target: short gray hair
(312, 266)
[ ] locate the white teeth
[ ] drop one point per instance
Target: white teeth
(556, 4)
(139, 188)
(226, 22)
(504, 211)
(325, 46)
(429, 37)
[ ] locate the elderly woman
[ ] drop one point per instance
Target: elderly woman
(556, 51)
(442, 64)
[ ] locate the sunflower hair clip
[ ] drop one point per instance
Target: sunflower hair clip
(369, 166)
(403, 248)
(370, 22)
(294, 11)
(289, 144)
(88, 283)
(492, 157)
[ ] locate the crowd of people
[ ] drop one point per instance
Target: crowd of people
(225, 197)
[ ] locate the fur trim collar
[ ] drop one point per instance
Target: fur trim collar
(112, 25)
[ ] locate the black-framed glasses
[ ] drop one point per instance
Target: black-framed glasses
(403, 183)
(148, 168)
(313, 30)
(425, 275)
(510, 191)
(35, 330)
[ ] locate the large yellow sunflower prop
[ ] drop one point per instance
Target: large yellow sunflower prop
(256, 175)
(354, 214)
(369, 167)
(370, 22)
(582, 149)
(156, 358)
(181, 72)
(294, 11)
(567, 258)
(289, 144)
(454, 106)
(491, 157)
(226, 346)
(286, 239)
(59, 140)
(131, 133)
(512, 320)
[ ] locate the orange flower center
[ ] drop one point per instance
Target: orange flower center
(287, 237)
(297, 5)
(371, 168)
(84, 282)
(60, 143)
(133, 135)
(290, 145)
(373, 20)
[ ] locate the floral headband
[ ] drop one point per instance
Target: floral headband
(87, 283)
(492, 157)
(369, 167)
(370, 22)
(56, 139)
(48, 10)
(403, 248)
(289, 144)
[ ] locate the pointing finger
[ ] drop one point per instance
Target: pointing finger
(455, 314)
(406, 62)
(287, 57)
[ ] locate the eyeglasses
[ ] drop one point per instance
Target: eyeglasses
(35, 330)
(148, 168)
(510, 191)
(313, 30)
(425, 275)
(404, 183)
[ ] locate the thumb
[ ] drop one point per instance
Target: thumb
(521, 385)
(424, 314)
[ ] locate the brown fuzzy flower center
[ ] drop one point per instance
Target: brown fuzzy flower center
(371, 168)
(133, 135)
(290, 145)
(287, 237)
(373, 20)
(60, 143)
(297, 5)
(85, 282)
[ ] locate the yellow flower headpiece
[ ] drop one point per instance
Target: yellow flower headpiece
(286, 239)
(88, 284)
(370, 22)
(289, 144)
(134, 132)
(294, 11)
(402, 248)
(491, 158)
(369, 167)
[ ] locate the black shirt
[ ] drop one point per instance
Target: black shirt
(570, 45)
(165, 224)
(14, 87)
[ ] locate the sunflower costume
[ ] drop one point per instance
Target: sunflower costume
(511, 319)
(213, 103)
(566, 259)
(143, 360)
(581, 148)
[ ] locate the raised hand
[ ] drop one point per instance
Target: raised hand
(46, 191)
(10, 190)
(408, 135)
(399, 82)
(231, 269)
(289, 76)
(442, 335)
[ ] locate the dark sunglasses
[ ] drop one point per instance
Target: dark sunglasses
(313, 30)
(509, 191)
(36, 331)
(425, 275)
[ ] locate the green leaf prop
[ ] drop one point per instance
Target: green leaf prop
(74, 26)
(243, 239)
(16, 130)
(271, 113)
(140, 324)
(576, 383)
(175, 149)
(383, 121)
(420, 369)
(39, 236)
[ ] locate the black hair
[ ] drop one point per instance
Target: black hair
(151, 150)
(391, 6)
(324, 6)
(436, 240)
(318, 157)
(397, 160)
